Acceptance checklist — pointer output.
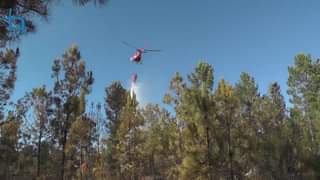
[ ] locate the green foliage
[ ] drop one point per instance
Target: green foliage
(212, 132)
(116, 97)
(130, 138)
(29, 9)
(8, 68)
(115, 100)
(303, 86)
(161, 145)
(69, 95)
(10, 134)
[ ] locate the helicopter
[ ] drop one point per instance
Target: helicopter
(137, 56)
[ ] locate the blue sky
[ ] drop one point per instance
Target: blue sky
(260, 37)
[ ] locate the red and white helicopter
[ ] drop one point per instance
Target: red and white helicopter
(137, 56)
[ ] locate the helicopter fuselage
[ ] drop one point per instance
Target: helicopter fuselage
(137, 55)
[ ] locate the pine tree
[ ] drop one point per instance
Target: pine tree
(246, 91)
(173, 98)
(69, 95)
(80, 143)
(161, 146)
(9, 139)
(100, 169)
(130, 138)
(41, 100)
(302, 87)
(304, 91)
(8, 68)
(274, 135)
(194, 107)
(28, 9)
(115, 100)
(227, 140)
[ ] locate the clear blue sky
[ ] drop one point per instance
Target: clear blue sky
(260, 37)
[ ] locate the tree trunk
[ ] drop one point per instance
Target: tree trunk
(152, 166)
(230, 151)
(64, 141)
(63, 153)
(208, 154)
(39, 152)
(81, 160)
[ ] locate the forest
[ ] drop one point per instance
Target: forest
(206, 129)
(227, 132)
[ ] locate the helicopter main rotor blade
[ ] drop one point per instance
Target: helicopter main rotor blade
(129, 45)
(152, 50)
